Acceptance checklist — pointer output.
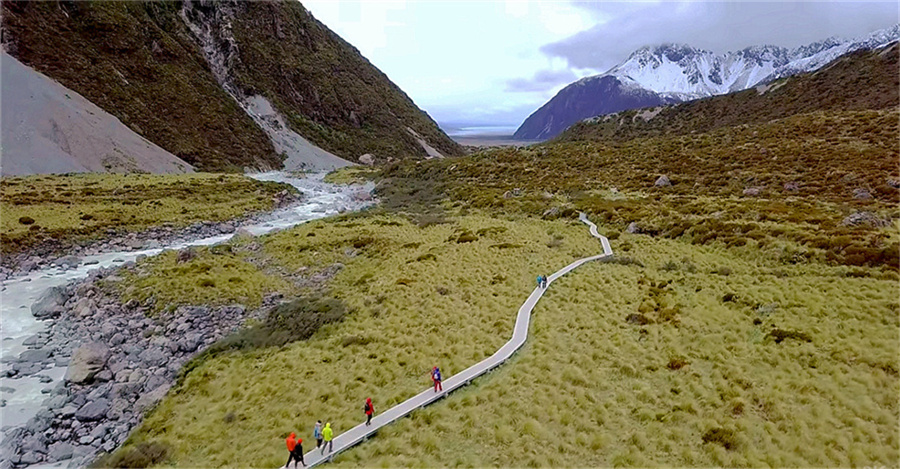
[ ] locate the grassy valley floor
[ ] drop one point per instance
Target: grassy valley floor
(72, 208)
(675, 354)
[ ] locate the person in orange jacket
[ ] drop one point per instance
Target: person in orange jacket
(369, 411)
(295, 450)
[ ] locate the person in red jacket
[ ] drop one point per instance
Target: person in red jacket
(295, 450)
(436, 377)
(369, 411)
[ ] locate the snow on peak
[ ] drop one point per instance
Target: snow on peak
(686, 72)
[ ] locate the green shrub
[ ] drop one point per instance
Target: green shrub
(26, 220)
(140, 455)
(781, 334)
(721, 436)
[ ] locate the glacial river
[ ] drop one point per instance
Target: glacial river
(23, 396)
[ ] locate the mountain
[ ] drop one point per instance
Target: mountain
(224, 85)
(858, 81)
(669, 73)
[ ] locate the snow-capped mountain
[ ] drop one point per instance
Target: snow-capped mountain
(670, 73)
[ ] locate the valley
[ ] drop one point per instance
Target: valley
(221, 223)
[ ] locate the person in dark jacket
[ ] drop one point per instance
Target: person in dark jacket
(369, 411)
(295, 450)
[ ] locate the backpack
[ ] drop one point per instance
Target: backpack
(437, 375)
(366, 407)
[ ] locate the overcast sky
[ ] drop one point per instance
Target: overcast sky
(480, 62)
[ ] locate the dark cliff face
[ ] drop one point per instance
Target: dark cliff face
(581, 100)
(141, 62)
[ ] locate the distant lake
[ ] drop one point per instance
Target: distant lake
(469, 131)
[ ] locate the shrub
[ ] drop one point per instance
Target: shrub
(721, 436)
(781, 334)
(466, 237)
(87, 217)
(206, 282)
(677, 363)
(723, 271)
(638, 318)
(670, 266)
(26, 220)
(355, 340)
(729, 298)
(140, 456)
(622, 260)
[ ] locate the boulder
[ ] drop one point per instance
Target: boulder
(791, 186)
(861, 194)
(662, 181)
(633, 228)
(34, 355)
(68, 262)
(153, 357)
(50, 304)
(60, 451)
(86, 362)
(151, 398)
(551, 213)
(94, 410)
(367, 159)
(752, 191)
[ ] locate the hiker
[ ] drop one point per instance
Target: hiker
(369, 411)
(328, 435)
(317, 434)
(436, 377)
(295, 450)
(540, 281)
(544, 281)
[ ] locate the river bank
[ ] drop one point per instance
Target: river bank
(36, 357)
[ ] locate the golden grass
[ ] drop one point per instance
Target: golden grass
(350, 175)
(216, 276)
(588, 389)
(83, 206)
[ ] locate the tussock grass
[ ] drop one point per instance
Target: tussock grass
(589, 388)
(214, 276)
(84, 206)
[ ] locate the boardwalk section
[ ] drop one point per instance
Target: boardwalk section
(362, 431)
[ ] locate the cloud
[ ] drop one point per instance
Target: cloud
(716, 26)
(543, 80)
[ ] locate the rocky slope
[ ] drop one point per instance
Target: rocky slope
(195, 78)
(51, 129)
(677, 72)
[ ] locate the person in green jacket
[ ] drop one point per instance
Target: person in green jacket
(328, 435)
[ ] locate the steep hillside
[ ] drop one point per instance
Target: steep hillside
(191, 78)
(583, 99)
(857, 81)
(49, 128)
(139, 62)
(678, 72)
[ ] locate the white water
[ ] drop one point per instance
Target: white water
(320, 200)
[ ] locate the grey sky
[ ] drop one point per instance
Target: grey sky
(485, 62)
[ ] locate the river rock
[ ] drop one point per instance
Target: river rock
(153, 357)
(30, 458)
(150, 399)
(34, 355)
(50, 303)
(91, 411)
(86, 362)
(68, 262)
(60, 451)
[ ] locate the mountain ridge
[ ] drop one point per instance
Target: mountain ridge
(679, 72)
(143, 63)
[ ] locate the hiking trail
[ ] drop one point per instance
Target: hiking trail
(362, 432)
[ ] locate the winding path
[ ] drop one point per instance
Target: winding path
(362, 432)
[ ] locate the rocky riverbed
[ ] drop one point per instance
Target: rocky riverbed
(121, 362)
